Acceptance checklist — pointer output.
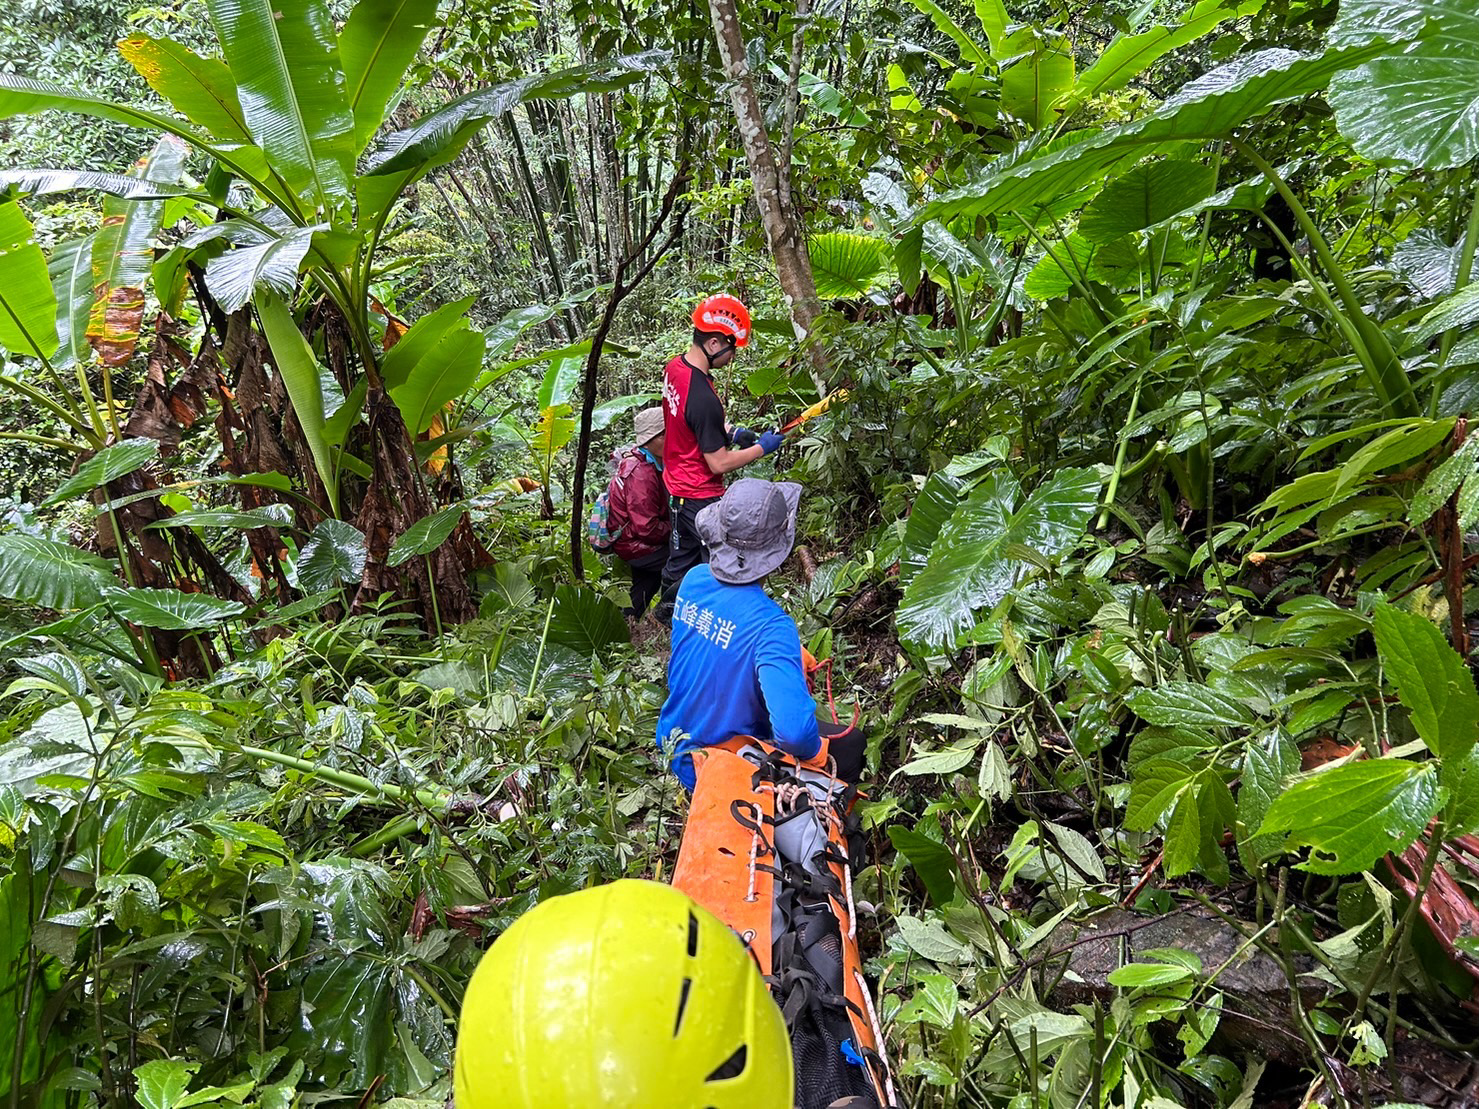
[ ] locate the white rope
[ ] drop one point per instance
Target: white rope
(888, 1079)
(754, 852)
(852, 913)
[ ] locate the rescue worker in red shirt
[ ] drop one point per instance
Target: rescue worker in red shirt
(699, 449)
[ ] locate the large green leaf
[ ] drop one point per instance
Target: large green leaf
(506, 332)
(298, 370)
(200, 89)
(1148, 194)
(931, 511)
(1209, 107)
(931, 860)
(71, 282)
(844, 263)
(285, 59)
(28, 305)
(268, 516)
(258, 261)
(123, 256)
(439, 136)
(1419, 105)
(426, 535)
(334, 554)
(1041, 76)
(1432, 680)
(26, 96)
(443, 373)
(48, 574)
(420, 340)
(170, 609)
(1130, 54)
(1354, 814)
(1265, 766)
(560, 379)
(969, 567)
(109, 464)
(377, 44)
(554, 428)
(970, 51)
(585, 621)
(1188, 705)
(45, 182)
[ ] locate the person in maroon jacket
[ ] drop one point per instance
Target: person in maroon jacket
(639, 500)
(700, 449)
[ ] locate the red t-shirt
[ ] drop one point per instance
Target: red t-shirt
(693, 419)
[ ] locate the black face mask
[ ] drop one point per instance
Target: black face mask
(722, 357)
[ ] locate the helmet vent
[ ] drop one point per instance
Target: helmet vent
(682, 1005)
(732, 1067)
(692, 936)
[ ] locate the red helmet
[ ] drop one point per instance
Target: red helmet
(723, 313)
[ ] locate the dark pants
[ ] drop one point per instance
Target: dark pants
(646, 581)
(847, 745)
(686, 552)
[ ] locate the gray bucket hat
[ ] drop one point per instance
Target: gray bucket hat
(750, 530)
(649, 425)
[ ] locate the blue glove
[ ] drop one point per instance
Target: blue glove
(770, 441)
(743, 437)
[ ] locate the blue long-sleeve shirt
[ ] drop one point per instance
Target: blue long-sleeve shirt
(735, 670)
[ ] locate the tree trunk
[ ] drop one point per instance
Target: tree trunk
(778, 215)
(621, 286)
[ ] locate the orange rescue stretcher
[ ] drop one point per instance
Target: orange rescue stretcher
(770, 848)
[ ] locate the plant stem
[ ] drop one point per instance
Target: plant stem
(1385, 370)
(1119, 456)
(539, 657)
(1461, 279)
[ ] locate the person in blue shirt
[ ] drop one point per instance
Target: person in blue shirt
(736, 666)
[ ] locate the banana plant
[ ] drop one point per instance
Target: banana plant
(302, 180)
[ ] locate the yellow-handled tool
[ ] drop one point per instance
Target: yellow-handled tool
(837, 396)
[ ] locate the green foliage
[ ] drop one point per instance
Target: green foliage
(969, 567)
(1417, 106)
(27, 306)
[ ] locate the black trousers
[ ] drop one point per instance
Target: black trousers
(686, 552)
(847, 745)
(646, 581)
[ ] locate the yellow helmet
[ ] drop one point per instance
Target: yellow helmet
(624, 996)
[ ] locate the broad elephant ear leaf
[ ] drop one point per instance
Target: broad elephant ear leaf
(171, 609)
(585, 621)
(1148, 194)
(426, 535)
(931, 512)
(1041, 76)
(53, 575)
(969, 567)
(845, 264)
(27, 302)
(334, 554)
(1419, 105)
(1131, 54)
